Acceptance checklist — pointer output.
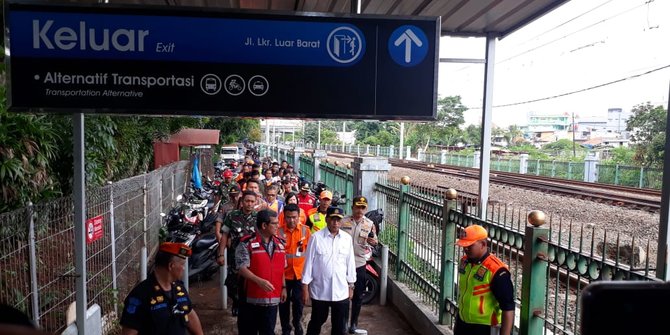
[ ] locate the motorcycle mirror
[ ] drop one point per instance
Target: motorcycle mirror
(343, 196)
(179, 197)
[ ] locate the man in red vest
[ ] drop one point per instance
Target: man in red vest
(261, 259)
(306, 200)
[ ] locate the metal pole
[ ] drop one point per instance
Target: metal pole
(662, 268)
(267, 132)
(185, 280)
(35, 296)
(344, 130)
(402, 139)
(485, 158)
(79, 191)
(318, 141)
(222, 283)
(143, 251)
(385, 275)
(112, 228)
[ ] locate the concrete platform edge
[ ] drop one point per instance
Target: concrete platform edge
(409, 305)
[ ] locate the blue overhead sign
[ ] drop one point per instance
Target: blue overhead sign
(157, 60)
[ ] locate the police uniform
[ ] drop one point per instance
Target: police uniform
(237, 224)
(360, 231)
(151, 310)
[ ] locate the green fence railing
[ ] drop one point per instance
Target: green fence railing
(549, 264)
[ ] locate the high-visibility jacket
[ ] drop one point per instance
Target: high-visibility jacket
(476, 302)
(277, 206)
(296, 246)
(318, 221)
(270, 269)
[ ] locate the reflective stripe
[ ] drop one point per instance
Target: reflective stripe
(302, 255)
(263, 301)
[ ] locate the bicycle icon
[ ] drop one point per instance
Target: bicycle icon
(234, 84)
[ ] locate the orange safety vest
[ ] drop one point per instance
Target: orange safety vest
(271, 269)
(296, 246)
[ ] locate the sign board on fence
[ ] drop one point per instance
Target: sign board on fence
(94, 230)
(176, 61)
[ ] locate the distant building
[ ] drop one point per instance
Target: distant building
(548, 122)
(616, 120)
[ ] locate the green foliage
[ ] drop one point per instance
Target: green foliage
(647, 126)
(28, 144)
(621, 155)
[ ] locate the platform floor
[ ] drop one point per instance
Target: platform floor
(206, 299)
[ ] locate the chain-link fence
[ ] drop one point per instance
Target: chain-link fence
(37, 272)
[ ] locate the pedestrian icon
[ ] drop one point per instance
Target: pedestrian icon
(258, 85)
(210, 84)
(408, 45)
(234, 84)
(345, 45)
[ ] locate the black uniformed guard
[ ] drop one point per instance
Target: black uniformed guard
(237, 224)
(160, 304)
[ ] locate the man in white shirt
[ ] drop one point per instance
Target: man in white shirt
(329, 275)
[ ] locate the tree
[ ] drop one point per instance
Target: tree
(647, 126)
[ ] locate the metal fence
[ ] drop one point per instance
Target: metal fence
(37, 272)
(420, 228)
(340, 179)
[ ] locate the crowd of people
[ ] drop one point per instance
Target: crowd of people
(288, 248)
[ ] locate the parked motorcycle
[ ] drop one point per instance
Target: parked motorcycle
(371, 275)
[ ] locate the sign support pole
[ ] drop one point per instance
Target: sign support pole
(79, 192)
(662, 269)
(487, 112)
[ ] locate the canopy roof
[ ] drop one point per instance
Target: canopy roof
(459, 17)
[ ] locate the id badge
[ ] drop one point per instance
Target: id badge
(298, 253)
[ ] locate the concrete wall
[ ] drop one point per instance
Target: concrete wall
(409, 305)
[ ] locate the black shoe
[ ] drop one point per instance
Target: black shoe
(235, 311)
(352, 329)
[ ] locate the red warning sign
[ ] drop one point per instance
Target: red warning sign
(93, 229)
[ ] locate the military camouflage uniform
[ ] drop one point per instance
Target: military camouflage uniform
(236, 225)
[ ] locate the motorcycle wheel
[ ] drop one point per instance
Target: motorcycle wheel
(371, 289)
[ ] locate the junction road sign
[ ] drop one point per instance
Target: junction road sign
(167, 61)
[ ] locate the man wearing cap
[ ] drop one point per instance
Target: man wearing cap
(261, 260)
(329, 275)
(160, 304)
(316, 217)
(233, 200)
(485, 291)
(226, 184)
(364, 237)
(306, 200)
(238, 223)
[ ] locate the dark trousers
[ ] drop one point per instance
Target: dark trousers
(356, 300)
(256, 320)
(293, 299)
(338, 319)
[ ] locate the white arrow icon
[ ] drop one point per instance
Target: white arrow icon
(408, 37)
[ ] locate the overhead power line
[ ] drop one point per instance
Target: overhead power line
(581, 90)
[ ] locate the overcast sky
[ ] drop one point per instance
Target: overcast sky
(579, 45)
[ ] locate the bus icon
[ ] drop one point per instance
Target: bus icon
(210, 84)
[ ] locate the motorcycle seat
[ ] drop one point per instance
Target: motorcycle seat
(205, 242)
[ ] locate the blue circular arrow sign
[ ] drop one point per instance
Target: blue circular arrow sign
(408, 45)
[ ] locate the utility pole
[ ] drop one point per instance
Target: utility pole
(574, 149)
(344, 130)
(318, 141)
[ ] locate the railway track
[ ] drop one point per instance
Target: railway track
(614, 195)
